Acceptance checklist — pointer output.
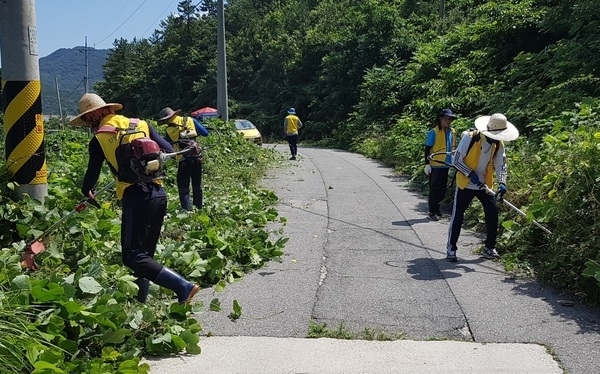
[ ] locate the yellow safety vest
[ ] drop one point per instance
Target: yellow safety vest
(109, 141)
(440, 143)
(471, 160)
(175, 126)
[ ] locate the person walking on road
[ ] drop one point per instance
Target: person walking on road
(291, 125)
(478, 154)
(180, 130)
(144, 204)
(439, 145)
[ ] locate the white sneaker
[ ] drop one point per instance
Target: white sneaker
(490, 253)
(451, 256)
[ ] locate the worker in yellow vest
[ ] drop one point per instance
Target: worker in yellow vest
(439, 145)
(144, 203)
(478, 154)
(180, 130)
(291, 125)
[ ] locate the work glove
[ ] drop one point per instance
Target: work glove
(501, 191)
(90, 199)
(427, 170)
(475, 179)
(193, 148)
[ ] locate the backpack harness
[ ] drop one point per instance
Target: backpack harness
(139, 159)
(186, 138)
(475, 137)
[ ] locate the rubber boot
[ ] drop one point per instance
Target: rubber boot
(169, 279)
(144, 285)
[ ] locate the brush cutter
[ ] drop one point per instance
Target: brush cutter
(37, 246)
(511, 206)
(277, 143)
(498, 197)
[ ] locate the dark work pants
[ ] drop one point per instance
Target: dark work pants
(462, 200)
(144, 209)
(190, 170)
(438, 183)
(293, 142)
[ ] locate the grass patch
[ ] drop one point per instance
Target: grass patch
(320, 330)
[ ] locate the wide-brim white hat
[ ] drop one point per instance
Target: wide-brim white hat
(497, 127)
(90, 102)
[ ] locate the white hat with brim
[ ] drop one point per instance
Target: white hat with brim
(88, 103)
(497, 127)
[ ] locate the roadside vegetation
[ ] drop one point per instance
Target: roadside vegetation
(321, 330)
(78, 312)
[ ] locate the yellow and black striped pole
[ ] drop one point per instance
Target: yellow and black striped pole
(22, 101)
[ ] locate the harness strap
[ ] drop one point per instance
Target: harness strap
(107, 129)
(133, 122)
(475, 137)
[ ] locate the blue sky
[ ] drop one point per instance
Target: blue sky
(66, 23)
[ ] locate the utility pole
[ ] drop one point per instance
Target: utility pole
(22, 99)
(58, 98)
(222, 106)
(86, 67)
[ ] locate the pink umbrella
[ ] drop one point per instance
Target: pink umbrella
(204, 111)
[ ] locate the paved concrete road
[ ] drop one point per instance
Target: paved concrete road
(362, 255)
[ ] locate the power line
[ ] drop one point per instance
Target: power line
(157, 18)
(71, 93)
(124, 22)
(123, 5)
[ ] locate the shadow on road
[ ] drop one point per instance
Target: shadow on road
(431, 269)
(563, 304)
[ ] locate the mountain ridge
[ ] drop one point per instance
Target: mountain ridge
(67, 67)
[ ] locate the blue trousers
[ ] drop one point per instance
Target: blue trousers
(190, 172)
(462, 200)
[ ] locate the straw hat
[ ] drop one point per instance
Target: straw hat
(90, 102)
(167, 113)
(497, 127)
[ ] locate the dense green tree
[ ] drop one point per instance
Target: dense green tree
(183, 72)
(126, 75)
(354, 67)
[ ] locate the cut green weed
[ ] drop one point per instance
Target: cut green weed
(320, 330)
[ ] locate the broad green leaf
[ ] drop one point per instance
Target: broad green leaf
(21, 282)
(215, 305)
(110, 354)
(116, 337)
(43, 367)
(133, 367)
(89, 285)
(220, 286)
(52, 292)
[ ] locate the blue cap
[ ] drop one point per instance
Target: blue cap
(446, 112)
(291, 111)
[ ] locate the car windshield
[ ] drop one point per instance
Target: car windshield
(242, 124)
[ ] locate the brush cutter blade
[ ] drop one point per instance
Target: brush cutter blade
(28, 259)
(37, 247)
